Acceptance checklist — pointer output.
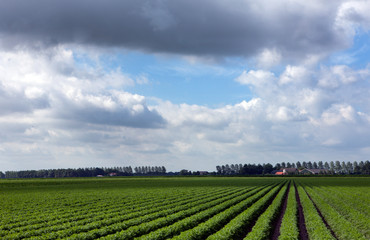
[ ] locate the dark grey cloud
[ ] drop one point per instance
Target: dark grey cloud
(205, 28)
(16, 102)
(121, 117)
(90, 109)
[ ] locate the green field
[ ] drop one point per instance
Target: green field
(185, 208)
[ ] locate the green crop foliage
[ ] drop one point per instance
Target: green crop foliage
(315, 226)
(289, 226)
(262, 228)
(182, 208)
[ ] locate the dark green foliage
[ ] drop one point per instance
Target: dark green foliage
(181, 207)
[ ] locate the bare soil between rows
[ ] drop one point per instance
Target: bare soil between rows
(303, 234)
(279, 220)
(250, 225)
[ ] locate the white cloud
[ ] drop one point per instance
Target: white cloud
(339, 113)
(268, 58)
(352, 16)
(292, 114)
(294, 74)
(257, 78)
(40, 81)
(61, 107)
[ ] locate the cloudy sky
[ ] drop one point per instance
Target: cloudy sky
(184, 84)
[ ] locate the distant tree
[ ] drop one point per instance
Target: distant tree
(267, 168)
(298, 164)
(304, 164)
(366, 168)
(223, 169)
(219, 169)
(356, 168)
(185, 172)
(349, 167)
(283, 165)
(277, 166)
(227, 169)
(252, 169)
(332, 167)
(338, 167)
(361, 165)
(293, 165)
(98, 171)
(237, 169)
(2, 175)
(309, 165)
(288, 165)
(259, 169)
(326, 166)
(315, 166)
(344, 168)
(320, 165)
(232, 169)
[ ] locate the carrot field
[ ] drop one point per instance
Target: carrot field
(186, 208)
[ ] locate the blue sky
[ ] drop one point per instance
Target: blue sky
(175, 79)
(184, 84)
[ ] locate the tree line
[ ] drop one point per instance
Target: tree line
(337, 167)
(86, 172)
(331, 167)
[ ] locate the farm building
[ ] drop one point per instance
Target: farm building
(307, 171)
(287, 171)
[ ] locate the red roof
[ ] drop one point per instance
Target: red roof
(279, 173)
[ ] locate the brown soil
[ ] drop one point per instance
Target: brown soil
(278, 221)
(303, 235)
(322, 217)
(250, 225)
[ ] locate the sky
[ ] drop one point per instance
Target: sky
(183, 84)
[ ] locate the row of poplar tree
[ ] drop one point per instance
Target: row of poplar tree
(85, 172)
(332, 167)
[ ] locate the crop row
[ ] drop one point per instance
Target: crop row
(111, 225)
(99, 205)
(339, 211)
(289, 225)
(315, 226)
(237, 226)
(127, 231)
(181, 221)
(64, 230)
(94, 214)
(357, 202)
(223, 211)
(342, 228)
(264, 225)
